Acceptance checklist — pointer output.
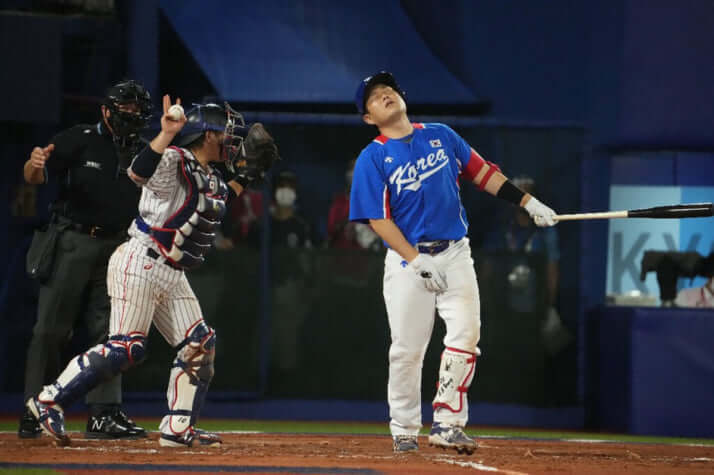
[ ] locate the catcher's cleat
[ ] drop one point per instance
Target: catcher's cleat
(51, 419)
(29, 426)
(208, 439)
(451, 437)
(190, 438)
(405, 443)
(113, 424)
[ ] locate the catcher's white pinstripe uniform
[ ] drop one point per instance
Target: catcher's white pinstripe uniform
(182, 204)
(144, 289)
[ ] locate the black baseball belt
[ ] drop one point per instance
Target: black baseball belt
(433, 247)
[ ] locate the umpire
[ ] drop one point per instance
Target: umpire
(95, 205)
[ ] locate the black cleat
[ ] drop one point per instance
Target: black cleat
(113, 425)
(208, 439)
(121, 417)
(191, 437)
(29, 426)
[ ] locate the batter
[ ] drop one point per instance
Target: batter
(406, 186)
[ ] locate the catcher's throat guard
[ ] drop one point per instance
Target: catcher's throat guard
(218, 118)
(233, 149)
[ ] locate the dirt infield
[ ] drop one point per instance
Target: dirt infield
(285, 453)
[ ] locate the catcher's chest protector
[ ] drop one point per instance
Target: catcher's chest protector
(188, 234)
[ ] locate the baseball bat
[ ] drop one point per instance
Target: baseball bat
(692, 210)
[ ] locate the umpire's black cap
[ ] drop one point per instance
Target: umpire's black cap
(366, 85)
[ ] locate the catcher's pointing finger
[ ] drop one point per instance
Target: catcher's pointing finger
(169, 125)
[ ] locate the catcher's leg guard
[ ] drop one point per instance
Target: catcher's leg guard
(98, 364)
(455, 375)
(191, 374)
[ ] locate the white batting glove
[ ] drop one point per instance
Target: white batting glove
(541, 214)
(425, 268)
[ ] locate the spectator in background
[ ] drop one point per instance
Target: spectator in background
(343, 234)
(521, 235)
(245, 213)
(290, 269)
(287, 228)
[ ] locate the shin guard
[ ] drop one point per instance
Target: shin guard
(98, 364)
(455, 375)
(190, 377)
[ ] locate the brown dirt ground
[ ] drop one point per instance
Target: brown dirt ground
(369, 453)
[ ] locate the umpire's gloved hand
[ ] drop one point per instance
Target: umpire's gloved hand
(425, 268)
(541, 214)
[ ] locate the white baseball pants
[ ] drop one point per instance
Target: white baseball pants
(411, 310)
(145, 290)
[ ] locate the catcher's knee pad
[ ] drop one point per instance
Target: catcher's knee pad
(98, 364)
(190, 376)
(455, 375)
(126, 351)
(196, 353)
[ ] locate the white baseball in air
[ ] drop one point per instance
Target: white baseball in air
(175, 112)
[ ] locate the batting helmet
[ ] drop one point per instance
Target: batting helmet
(204, 117)
(126, 123)
(366, 85)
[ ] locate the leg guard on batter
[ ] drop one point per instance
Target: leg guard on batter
(191, 374)
(98, 364)
(455, 375)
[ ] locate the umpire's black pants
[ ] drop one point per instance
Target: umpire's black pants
(77, 288)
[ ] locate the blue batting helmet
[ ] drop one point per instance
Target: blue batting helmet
(366, 85)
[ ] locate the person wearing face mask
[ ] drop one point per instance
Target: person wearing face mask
(343, 234)
(290, 270)
(182, 205)
(287, 227)
(96, 201)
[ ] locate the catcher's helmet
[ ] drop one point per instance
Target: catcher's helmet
(366, 85)
(219, 118)
(125, 123)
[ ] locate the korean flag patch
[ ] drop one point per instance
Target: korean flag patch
(436, 143)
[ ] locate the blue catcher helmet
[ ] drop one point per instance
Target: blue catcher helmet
(366, 85)
(218, 118)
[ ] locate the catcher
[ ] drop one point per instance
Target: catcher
(182, 204)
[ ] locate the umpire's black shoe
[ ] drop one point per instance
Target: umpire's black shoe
(113, 425)
(29, 426)
(126, 421)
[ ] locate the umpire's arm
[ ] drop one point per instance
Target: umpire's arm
(34, 170)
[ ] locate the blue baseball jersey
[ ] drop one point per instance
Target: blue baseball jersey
(415, 182)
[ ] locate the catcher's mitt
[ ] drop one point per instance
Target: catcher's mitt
(260, 153)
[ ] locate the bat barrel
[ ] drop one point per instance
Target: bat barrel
(693, 210)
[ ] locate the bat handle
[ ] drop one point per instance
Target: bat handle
(603, 215)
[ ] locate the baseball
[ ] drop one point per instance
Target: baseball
(175, 112)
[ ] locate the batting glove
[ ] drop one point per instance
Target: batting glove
(541, 214)
(426, 270)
